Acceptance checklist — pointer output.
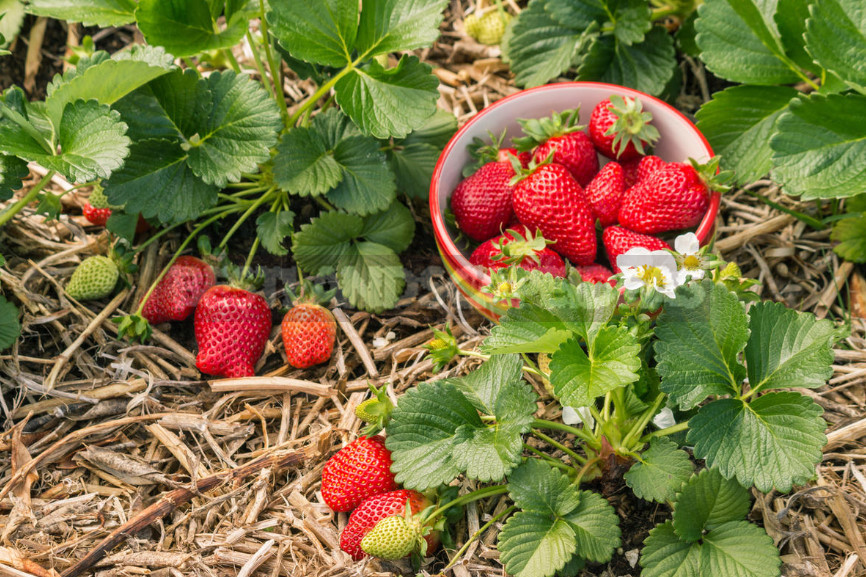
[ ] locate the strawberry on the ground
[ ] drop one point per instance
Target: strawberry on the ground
(175, 296)
(481, 203)
(518, 247)
(595, 273)
(618, 240)
(232, 326)
(309, 331)
(93, 279)
(356, 472)
(674, 197)
(620, 129)
(489, 27)
(393, 538)
(605, 193)
(96, 208)
(561, 135)
(376, 508)
(547, 198)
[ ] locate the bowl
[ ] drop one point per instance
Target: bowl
(680, 140)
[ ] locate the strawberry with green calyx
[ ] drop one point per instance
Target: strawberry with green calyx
(620, 128)
(561, 135)
(676, 196)
(523, 249)
(375, 411)
(308, 328)
(96, 208)
(356, 472)
(93, 279)
(484, 152)
(489, 26)
(443, 348)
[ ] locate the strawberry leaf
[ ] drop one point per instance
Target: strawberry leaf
(532, 544)
(707, 501)
(10, 328)
(527, 329)
(850, 233)
(319, 32)
(394, 228)
(273, 229)
(187, 27)
(700, 335)
(646, 66)
(661, 471)
(414, 158)
(596, 527)
(321, 244)
(304, 166)
(123, 224)
(836, 38)
(398, 25)
(536, 486)
(102, 13)
(773, 442)
(371, 276)
(739, 121)
(13, 171)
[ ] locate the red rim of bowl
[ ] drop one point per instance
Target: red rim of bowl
(450, 251)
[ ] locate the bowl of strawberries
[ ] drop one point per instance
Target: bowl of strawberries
(566, 176)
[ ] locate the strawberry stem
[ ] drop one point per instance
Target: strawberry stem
(556, 444)
(475, 495)
(588, 438)
(478, 534)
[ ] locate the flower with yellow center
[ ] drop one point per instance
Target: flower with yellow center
(691, 262)
(644, 268)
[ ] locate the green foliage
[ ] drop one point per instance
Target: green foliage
(89, 12)
(849, 232)
(660, 472)
(186, 27)
(13, 171)
(707, 501)
(10, 328)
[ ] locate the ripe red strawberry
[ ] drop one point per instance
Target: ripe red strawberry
(595, 273)
(505, 154)
(618, 240)
(356, 472)
(675, 196)
(376, 508)
(309, 331)
(560, 135)
(518, 247)
(482, 202)
(548, 199)
(232, 326)
(605, 193)
(620, 129)
(96, 209)
(178, 293)
(637, 169)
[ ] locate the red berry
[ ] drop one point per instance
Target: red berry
(671, 198)
(376, 508)
(595, 273)
(356, 472)
(638, 169)
(505, 154)
(482, 202)
(605, 193)
(551, 201)
(574, 151)
(309, 331)
(231, 328)
(96, 216)
(518, 247)
(177, 294)
(620, 129)
(618, 240)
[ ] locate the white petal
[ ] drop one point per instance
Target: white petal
(697, 274)
(631, 283)
(581, 415)
(683, 276)
(664, 419)
(687, 243)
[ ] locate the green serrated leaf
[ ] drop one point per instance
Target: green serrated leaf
(739, 41)
(13, 171)
(596, 527)
(421, 434)
(389, 102)
(707, 501)
(368, 184)
(123, 224)
(13, 12)
(646, 66)
(836, 38)
(850, 233)
(319, 32)
(102, 13)
(631, 21)
(791, 18)
(534, 545)
(393, 227)
(788, 348)
(661, 472)
(739, 121)
(187, 27)
(774, 442)
(10, 328)
(274, 228)
(536, 486)
(49, 205)
(527, 329)
(700, 335)
(371, 276)
(739, 549)
(413, 166)
(666, 555)
(398, 25)
(611, 361)
(319, 245)
(436, 131)
(586, 308)
(304, 165)
(490, 453)
(819, 146)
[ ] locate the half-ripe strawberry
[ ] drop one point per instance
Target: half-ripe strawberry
(605, 193)
(481, 203)
(562, 139)
(595, 273)
(521, 248)
(620, 129)
(96, 208)
(232, 326)
(309, 331)
(550, 200)
(618, 240)
(175, 296)
(376, 508)
(674, 197)
(356, 472)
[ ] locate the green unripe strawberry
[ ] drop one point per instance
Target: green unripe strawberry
(94, 278)
(392, 538)
(97, 198)
(487, 28)
(376, 411)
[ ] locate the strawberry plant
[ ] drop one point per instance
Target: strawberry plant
(177, 146)
(726, 372)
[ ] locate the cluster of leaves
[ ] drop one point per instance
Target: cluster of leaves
(717, 365)
(615, 41)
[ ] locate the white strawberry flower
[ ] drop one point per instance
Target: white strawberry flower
(645, 268)
(689, 258)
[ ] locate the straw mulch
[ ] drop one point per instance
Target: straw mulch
(133, 465)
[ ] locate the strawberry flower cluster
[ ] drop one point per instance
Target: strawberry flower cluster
(662, 271)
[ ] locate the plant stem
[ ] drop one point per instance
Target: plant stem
(547, 458)
(276, 74)
(324, 89)
(244, 217)
(250, 256)
(642, 422)
(157, 236)
(583, 471)
(560, 446)
(665, 432)
(232, 60)
(10, 212)
(475, 495)
(551, 425)
(259, 66)
(478, 534)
